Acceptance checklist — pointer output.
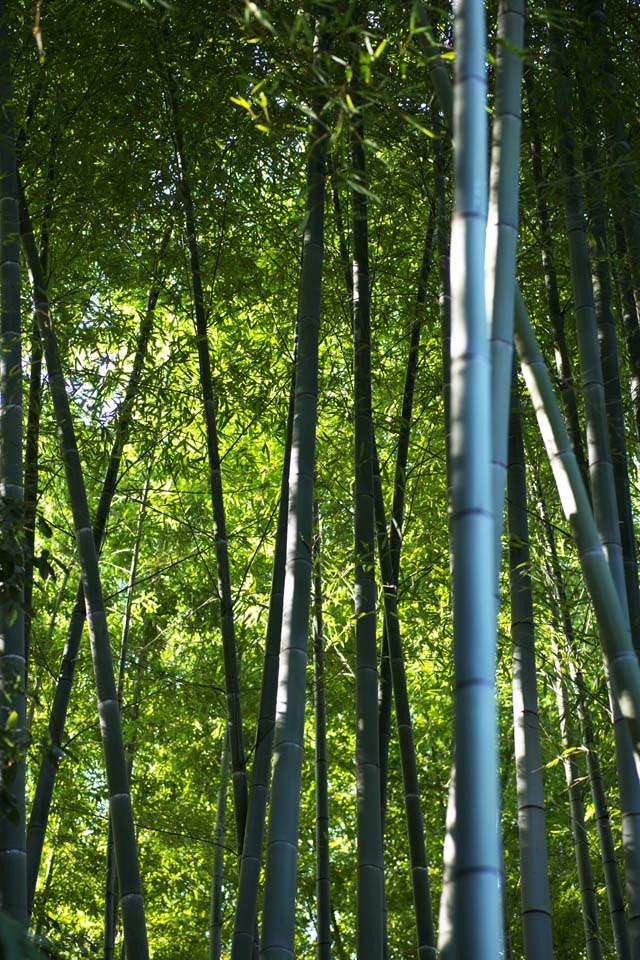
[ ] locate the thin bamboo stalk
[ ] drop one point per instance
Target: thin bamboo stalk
(246, 907)
(227, 627)
(53, 751)
(396, 520)
(620, 657)
(370, 889)
(323, 888)
(599, 455)
(534, 884)
(118, 785)
(278, 919)
(111, 879)
(562, 615)
(562, 356)
(217, 870)
(415, 824)
(12, 651)
(602, 290)
(576, 805)
(500, 249)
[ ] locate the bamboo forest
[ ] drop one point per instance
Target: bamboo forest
(320, 408)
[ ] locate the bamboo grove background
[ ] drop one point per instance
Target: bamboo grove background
(261, 266)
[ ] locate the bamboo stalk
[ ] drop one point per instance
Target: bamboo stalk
(118, 785)
(477, 895)
(278, 918)
(246, 906)
(227, 627)
(12, 638)
(53, 751)
(534, 885)
(323, 888)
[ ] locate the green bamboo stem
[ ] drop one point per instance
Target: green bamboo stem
(12, 651)
(599, 455)
(500, 250)
(630, 323)
(227, 627)
(445, 912)
(111, 880)
(370, 887)
(534, 885)
(625, 198)
(562, 356)
(31, 451)
(561, 612)
(248, 882)
(415, 824)
(396, 521)
(619, 655)
(576, 805)
(323, 889)
(477, 895)
(602, 290)
(118, 785)
(278, 919)
(52, 751)
(217, 870)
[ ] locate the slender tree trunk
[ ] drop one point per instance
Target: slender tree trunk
(415, 823)
(369, 823)
(562, 357)
(396, 520)
(620, 658)
(560, 609)
(13, 899)
(323, 889)
(111, 879)
(118, 785)
(217, 870)
(576, 804)
(246, 908)
(624, 195)
(599, 456)
(534, 885)
(53, 750)
(227, 627)
(278, 919)
(596, 212)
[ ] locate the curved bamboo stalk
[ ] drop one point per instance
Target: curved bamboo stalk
(602, 291)
(534, 885)
(227, 627)
(246, 907)
(278, 917)
(323, 889)
(598, 453)
(620, 657)
(53, 751)
(12, 650)
(562, 615)
(118, 784)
